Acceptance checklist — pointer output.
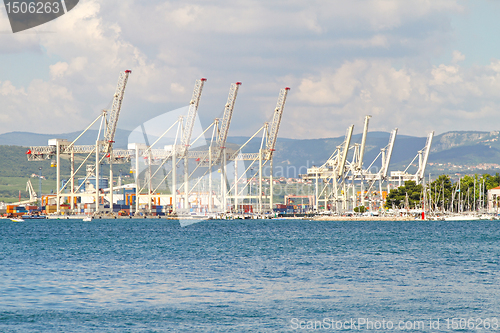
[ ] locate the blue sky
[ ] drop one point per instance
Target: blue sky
(475, 32)
(418, 65)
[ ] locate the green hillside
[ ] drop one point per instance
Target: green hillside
(16, 170)
(452, 152)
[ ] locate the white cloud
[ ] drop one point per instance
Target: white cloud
(35, 101)
(445, 75)
(342, 59)
(443, 98)
(457, 56)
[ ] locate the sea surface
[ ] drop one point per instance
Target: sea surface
(249, 276)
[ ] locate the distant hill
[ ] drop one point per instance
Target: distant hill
(26, 139)
(293, 156)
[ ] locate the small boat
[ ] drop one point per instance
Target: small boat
(87, 219)
(17, 220)
(34, 217)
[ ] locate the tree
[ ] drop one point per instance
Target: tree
(360, 209)
(441, 191)
(397, 197)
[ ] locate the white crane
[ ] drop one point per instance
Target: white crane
(381, 175)
(265, 153)
(423, 156)
(32, 193)
(114, 113)
(226, 118)
(332, 171)
(57, 147)
(186, 134)
(191, 116)
(275, 124)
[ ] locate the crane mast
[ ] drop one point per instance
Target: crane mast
(359, 165)
(345, 150)
(388, 154)
(114, 114)
(191, 116)
(226, 118)
(423, 159)
(275, 125)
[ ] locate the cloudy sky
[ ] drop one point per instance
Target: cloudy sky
(418, 65)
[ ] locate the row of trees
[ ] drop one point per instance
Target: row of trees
(442, 194)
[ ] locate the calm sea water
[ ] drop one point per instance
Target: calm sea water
(249, 276)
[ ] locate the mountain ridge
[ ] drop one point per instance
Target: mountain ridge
(466, 148)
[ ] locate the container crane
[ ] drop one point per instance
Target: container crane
(265, 153)
(191, 116)
(381, 175)
(333, 170)
(109, 134)
(275, 124)
(32, 193)
(58, 147)
(187, 131)
(114, 113)
(422, 155)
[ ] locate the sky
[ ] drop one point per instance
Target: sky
(418, 65)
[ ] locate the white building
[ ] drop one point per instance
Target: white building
(494, 200)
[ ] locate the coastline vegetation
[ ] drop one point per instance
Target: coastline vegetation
(471, 191)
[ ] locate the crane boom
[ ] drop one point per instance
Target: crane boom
(359, 165)
(113, 115)
(191, 116)
(425, 157)
(388, 154)
(228, 113)
(345, 150)
(275, 125)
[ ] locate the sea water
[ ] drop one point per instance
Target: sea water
(249, 276)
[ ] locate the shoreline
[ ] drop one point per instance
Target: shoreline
(364, 218)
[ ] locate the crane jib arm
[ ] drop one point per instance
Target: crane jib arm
(114, 114)
(191, 116)
(278, 112)
(228, 112)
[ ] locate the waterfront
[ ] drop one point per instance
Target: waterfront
(242, 275)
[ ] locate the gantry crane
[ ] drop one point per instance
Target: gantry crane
(381, 175)
(188, 130)
(220, 148)
(265, 154)
(114, 113)
(216, 153)
(423, 156)
(175, 153)
(58, 147)
(335, 172)
(332, 171)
